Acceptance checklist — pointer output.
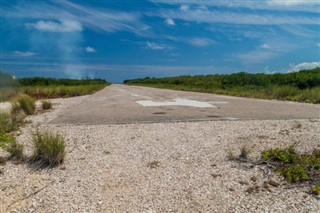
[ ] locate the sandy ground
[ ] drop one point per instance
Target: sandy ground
(108, 167)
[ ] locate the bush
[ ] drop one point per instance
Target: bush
(26, 103)
(49, 148)
(292, 166)
(46, 105)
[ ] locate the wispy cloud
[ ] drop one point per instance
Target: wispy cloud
(51, 26)
(304, 66)
(229, 17)
(286, 5)
(170, 22)
(75, 16)
(90, 50)
(24, 54)
(200, 42)
(156, 46)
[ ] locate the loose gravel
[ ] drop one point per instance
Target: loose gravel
(107, 168)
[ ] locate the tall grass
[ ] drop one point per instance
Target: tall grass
(49, 148)
(24, 102)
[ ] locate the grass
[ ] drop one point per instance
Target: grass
(49, 148)
(11, 122)
(25, 102)
(46, 105)
(51, 91)
(10, 145)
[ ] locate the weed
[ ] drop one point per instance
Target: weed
(216, 175)
(244, 152)
(154, 164)
(49, 148)
(16, 150)
(292, 166)
(315, 190)
(46, 105)
(230, 155)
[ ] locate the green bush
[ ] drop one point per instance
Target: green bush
(25, 102)
(294, 167)
(49, 148)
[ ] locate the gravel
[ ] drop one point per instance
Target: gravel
(107, 168)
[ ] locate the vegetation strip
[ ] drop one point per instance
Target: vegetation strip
(303, 86)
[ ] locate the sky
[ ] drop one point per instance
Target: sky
(125, 39)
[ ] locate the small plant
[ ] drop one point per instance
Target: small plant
(253, 189)
(244, 152)
(26, 103)
(315, 190)
(230, 155)
(15, 149)
(49, 148)
(154, 164)
(46, 105)
(294, 167)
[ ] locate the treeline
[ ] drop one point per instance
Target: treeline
(302, 80)
(38, 81)
(296, 86)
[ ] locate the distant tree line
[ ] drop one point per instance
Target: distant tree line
(6, 80)
(302, 80)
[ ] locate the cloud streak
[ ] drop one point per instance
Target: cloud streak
(51, 26)
(24, 54)
(65, 16)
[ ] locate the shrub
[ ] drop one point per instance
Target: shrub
(49, 148)
(294, 167)
(25, 102)
(46, 105)
(9, 123)
(315, 190)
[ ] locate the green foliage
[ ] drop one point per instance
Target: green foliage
(61, 91)
(38, 81)
(301, 86)
(49, 148)
(10, 122)
(26, 103)
(315, 190)
(46, 105)
(9, 144)
(292, 166)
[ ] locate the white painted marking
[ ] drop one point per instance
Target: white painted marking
(142, 96)
(177, 102)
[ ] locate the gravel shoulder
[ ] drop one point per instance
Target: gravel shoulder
(107, 167)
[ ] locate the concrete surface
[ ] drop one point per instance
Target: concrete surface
(133, 104)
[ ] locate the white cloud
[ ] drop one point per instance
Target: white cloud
(156, 46)
(97, 19)
(303, 66)
(286, 5)
(201, 42)
(264, 46)
(24, 54)
(184, 7)
(228, 17)
(90, 50)
(51, 26)
(318, 44)
(170, 22)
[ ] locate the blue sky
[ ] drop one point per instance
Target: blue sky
(125, 39)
